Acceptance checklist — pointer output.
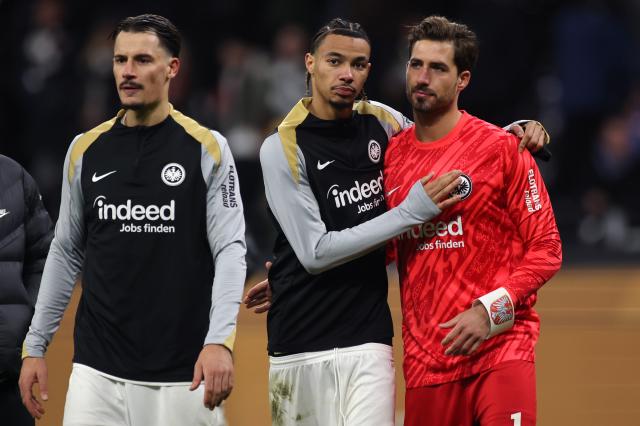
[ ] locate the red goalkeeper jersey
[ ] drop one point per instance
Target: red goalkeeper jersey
(503, 234)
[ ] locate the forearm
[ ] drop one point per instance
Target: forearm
(59, 276)
(226, 295)
(540, 263)
(338, 247)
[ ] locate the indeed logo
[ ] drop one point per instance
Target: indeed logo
(129, 211)
(431, 229)
(356, 193)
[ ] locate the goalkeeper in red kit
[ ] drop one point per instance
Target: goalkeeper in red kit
(469, 277)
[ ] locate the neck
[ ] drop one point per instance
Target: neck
(326, 111)
(148, 116)
(434, 125)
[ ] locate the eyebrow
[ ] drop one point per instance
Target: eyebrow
(341, 56)
(136, 56)
(429, 63)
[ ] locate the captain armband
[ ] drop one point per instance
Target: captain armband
(500, 308)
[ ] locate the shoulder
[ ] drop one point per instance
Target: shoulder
(83, 141)
(212, 141)
(11, 173)
(272, 150)
(9, 166)
(490, 134)
(386, 115)
(401, 139)
(279, 157)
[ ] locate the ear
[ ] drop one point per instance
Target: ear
(309, 62)
(174, 67)
(463, 80)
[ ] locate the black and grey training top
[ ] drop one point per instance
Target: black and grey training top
(147, 214)
(323, 182)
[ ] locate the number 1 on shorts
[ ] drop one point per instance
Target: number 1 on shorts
(517, 418)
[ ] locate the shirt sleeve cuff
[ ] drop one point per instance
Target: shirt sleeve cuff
(499, 306)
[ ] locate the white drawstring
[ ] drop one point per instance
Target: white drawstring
(336, 374)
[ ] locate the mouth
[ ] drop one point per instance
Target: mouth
(130, 89)
(344, 90)
(423, 92)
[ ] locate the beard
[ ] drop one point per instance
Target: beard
(341, 105)
(136, 106)
(432, 104)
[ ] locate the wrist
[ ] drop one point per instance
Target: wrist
(500, 310)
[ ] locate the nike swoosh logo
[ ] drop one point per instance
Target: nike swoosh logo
(323, 165)
(393, 190)
(3, 214)
(96, 178)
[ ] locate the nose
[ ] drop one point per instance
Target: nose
(424, 77)
(128, 71)
(346, 74)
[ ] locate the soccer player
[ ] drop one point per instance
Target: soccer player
(468, 279)
(329, 327)
(150, 207)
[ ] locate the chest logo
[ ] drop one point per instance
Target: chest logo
(173, 174)
(464, 188)
(391, 191)
(3, 212)
(325, 164)
(375, 151)
(96, 178)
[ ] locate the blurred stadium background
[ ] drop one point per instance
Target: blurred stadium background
(573, 65)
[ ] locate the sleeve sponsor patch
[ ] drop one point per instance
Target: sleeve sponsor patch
(532, 195)
(228, 189)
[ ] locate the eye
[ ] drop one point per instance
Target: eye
(360, 66)
(333, 61)
(119, 60)
(415, 64)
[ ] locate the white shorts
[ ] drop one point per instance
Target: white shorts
(95, 399)
(343, 387)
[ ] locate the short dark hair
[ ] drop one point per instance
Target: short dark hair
(340, 27)
(167, 33)
(438, 28)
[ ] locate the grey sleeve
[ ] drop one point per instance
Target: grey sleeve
(63, 264)
(225, 232)
(296, 210)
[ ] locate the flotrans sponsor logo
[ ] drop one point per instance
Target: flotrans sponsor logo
(429, 230)
(532, 195)
(229, 190)
(359, 194)
(128, 211)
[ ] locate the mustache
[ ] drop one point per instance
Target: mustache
(423, 88)
(130, 85)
